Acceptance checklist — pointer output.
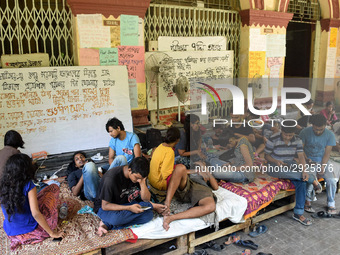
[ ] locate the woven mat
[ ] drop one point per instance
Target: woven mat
(80, 231)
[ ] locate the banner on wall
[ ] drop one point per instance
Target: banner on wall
(195, 66)
(63, 109)
(206, 43)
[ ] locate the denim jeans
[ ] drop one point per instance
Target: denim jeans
(119, 160)
(125, 218)
(300, 186)
(91, 180)
(223, 174)
(330, 187)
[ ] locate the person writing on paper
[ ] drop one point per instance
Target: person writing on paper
(24, 223)
(122, 194)
(124, 146)
(329, 113)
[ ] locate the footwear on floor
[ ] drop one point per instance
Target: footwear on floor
(258, 231)
(321, 214)
(247, 244)
(306, 221)
(200, 252)
(214, 246)
(309, 209)
(332, 210)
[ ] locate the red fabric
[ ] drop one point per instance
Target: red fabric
(48, 202)
(134, 240)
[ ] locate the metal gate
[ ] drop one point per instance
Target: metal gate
(37, 26)
(171, 20)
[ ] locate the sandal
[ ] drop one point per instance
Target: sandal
(214, 246)
(322, 214)
(309, 209)
(258, 231)
(247, 244)
(306, 222)
(332, 210)
(232, 239)
(200, 252)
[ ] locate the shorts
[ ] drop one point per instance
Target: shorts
(193, 193)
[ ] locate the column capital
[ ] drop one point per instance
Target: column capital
(326, 24)
(109, 7)
(265, 18)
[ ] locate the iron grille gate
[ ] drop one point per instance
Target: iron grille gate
(170, 20)
(37, 26)
(305, 11)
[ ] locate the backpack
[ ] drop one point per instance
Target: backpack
(153, 138)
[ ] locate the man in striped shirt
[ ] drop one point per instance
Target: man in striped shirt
(280, 152)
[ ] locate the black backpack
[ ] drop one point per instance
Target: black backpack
(153, 138)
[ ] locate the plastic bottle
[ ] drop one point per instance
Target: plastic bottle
(63, 211)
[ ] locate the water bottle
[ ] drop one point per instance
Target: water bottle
(63, 211)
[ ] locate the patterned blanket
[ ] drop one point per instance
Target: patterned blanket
(80, 229)
(259, 193)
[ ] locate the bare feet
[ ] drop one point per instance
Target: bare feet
(166, 222)
(159, 208)
(102, 230)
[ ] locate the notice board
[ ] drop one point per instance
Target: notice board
(62, 109)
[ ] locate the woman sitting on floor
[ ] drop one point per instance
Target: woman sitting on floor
(238, 168)
(329, 113)
(188, 151)
(24, 223)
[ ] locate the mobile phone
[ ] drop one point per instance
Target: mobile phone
(145, 208)
(57, 239)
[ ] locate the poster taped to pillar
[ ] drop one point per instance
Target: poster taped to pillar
(63, 109)
(195, 66)
(206, 43)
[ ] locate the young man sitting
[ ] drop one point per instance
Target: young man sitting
(124, 145)
(164, 176)
(123, 198)
(280, 151)
(83, 177)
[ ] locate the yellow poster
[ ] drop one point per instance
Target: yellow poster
(257, 63)
(332, 37)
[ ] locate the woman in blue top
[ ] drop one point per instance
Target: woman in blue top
(19, 202)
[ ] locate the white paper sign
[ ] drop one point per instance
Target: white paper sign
(338, 66)
(61, 109)
(195, 66)
(207, 43)
(91, 31)
(257, 42)
(276, 45)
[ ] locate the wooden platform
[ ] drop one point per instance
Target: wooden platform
(188, 242)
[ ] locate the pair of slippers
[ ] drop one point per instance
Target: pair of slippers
(258, 231)
(232, 239)
(214, 246)
(325, 214)
(247, 244)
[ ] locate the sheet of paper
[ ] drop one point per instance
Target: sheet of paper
(133, 93)
(88, 57)
(108, 56)
(129, 30)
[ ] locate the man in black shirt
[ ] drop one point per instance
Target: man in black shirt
(123, 199)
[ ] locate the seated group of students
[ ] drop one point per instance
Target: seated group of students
(122, 197)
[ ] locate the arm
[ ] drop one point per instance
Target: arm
(137, 151)
(269, 158)
(112, 155)
(37, 215)
(78, 187)
(301, 157)
(135, 208)
(144, 191)
(185, 153)
(250, 137)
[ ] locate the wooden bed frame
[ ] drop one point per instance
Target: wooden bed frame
(187, 243)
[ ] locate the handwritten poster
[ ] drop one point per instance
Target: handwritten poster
(133, 58)
(273, 61)
(338, 66)
(275, 75)
(257, 41)
(194, 65)
(133, 93)
(108, 56)
(60, 109)
(333, 34)
(206, 43)
(25, 60)
(88, 57)
(92, 33)
(276, 45)
(330, 66)
(129, 30)
(257, 62)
